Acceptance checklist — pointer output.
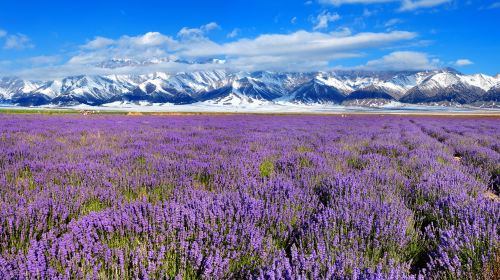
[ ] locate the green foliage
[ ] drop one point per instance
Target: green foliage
(140, 161)
(204, 178)
(25, 174)
(93, 205)
(238, 268)
(441, 160)
(153, 194)
(304, 149)
(266, 168)
(356, 163)
(305, 162)
(119, 241)
(160, 193)
(133, 194)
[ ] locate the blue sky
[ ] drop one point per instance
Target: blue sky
(40, 39)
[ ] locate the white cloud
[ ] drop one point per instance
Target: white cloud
(393, 22)
(195, 33)
(402, 60)
(44, 60)
(411, 5)
(341, 32)
(234, 33)
(495, 5)
(150, 44)
(210, 26)
(303, 43)
(368, 13)
(323, 19)
(463, 62)
(98, 42)
(405, 5)
(3, 33)
(18, 41)
(147, 40)
(343, 2)
(68, 69)
(298, 51)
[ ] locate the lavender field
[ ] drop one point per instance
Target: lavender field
(249, 197)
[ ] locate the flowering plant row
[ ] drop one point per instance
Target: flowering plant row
(249, 197)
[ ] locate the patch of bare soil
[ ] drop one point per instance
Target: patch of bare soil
(134, 114)
(492, 196)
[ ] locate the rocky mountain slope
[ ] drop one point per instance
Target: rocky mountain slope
(226, 87)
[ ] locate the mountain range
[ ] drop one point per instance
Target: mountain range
(224, 87)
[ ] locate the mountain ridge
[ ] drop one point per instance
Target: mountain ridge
(224, 87)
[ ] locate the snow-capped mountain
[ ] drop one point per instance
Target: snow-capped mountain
(11, 86)
(224, 87)
(493, 94)
(79, 89)
(322, 88)
(127, 62)
(448, 86)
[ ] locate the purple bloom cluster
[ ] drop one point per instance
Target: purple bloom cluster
(249, 197)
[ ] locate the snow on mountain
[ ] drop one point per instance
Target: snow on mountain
(447, 86)
(392, 89)
(51, 89)
(235, 99)
(439, 81)
(11, 86)
(317, 91)
(333, 82)
(127, 62)
(184, 87)
(374, 92)
(481, 81)
(87, 89)
(255, 88)
(387, 84)
(493, 94)
(200, 81)
(261, 85)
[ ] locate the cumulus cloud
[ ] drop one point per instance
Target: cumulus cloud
(190, 33)
(463, 62)
(300, 43)
(60, 71)
(18, 42)
(405, 5)
(323, 19)
(411, 5)
(98, 42)
(150, 44)
(393, 22)
(234, 33)
(402, 60)
(149, 39)
(341, 32)
(343, 2)
(298, 51)
(2, 33)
